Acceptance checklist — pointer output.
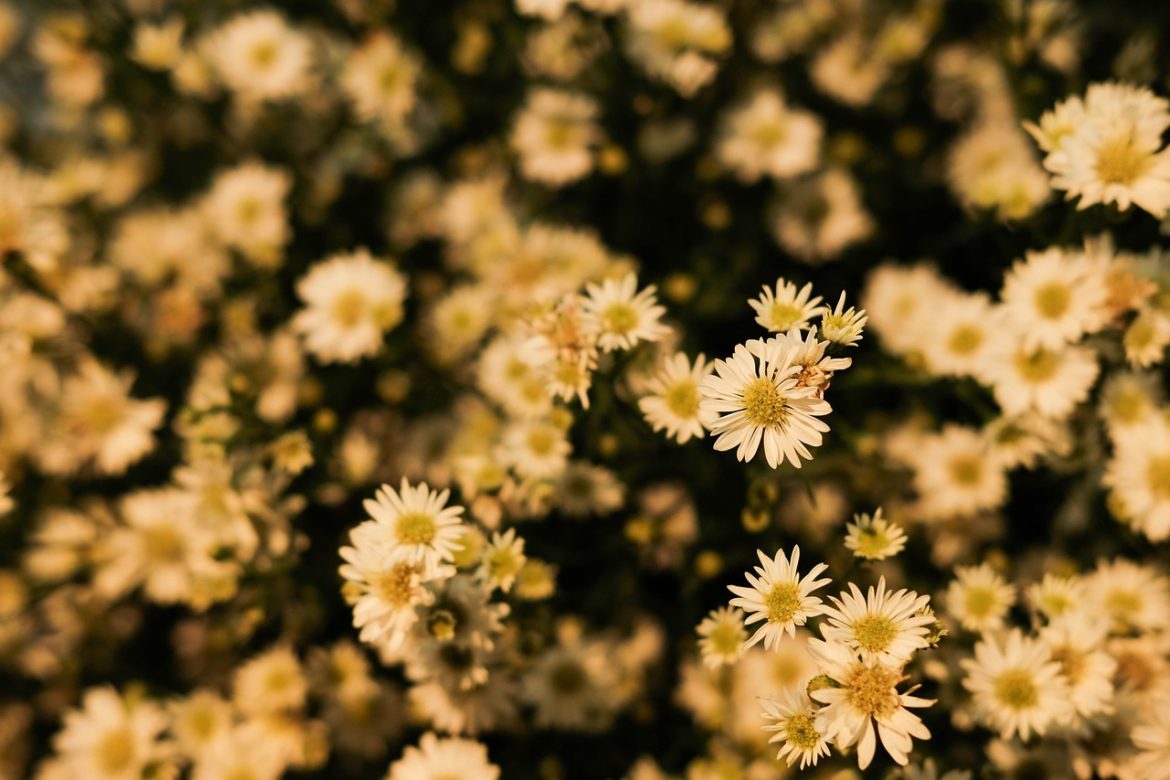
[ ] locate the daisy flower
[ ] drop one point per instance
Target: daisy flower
(379, 79)
(1016, 687)
(351, 301)
(792, 717)
(415, 524)
(245, 209)
(1151, 736)
(555, 135)
(764, 137)
(979, 598)
(1131, 596)
(842, 326)
(779, 597)
(536, 448)
(1146, 338)
(721, 637)
(872, 537)
(1055, 596)
(955, 474)
(383, 594)
(865, 694)
(1054, 298)
(260, 56)
(756, 391)
(436, 758)
(1138, 478)
(967, 333)
(1112, 152)
(672, 398)
(110, 737)
(885, 626)
(502, 560)
(1076, 642)
(786, 307)
(272, 682)
(1049, 381)
(622, 316)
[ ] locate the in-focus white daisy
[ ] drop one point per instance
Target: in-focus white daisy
(763, 136)
(438, 759)
(416, 524)
(979, 598)
(1016, 687)
(792, 716)
(786, 307)
(779, 597)
(621, 315)
(757, 393)
(672, 398)
(873, 537)
(1054, 297)
(260, 56)
(722, 637)
(351, 300)
(841, 326)
(383, 592)
(865, 694)
(882, 625)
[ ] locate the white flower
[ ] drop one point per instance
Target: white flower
(763, 136)
(1053, 298)
(979, 598)
(1151, 736)
(435, 759)
(880, 626)
(502, 560)
(966, 334)
(793, 718)
(1049, 381)
(1108, 149)
(867, 695)
(1016, 687)
(415, 524)
(842, 326)
(779, 597)
(1076, 642)
(259, 56)
(872, 537)
(956, 473)
(1131, 596)
(785, 308)
(555, 135)
(722, 637)
(245, 209)
(272, 682)
(816, 219)
(379, 79)
(351, 300)
(1147, 337)
(1138, 478)
(384, 592)
(621, 315)
(672, 400)
(110, 737)
(757, 393)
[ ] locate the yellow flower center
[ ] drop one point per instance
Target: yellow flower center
(871, 691)
(1037, 366)
(1072, 663)
(415, 528)
(764, 406)
(965, 339)
(264, 54)
(783, 602)
(1158, 476)
(1052, 300)
(1016, 690)
(800, 731)
(682, 399)
(163, 544)
(396, 586)
(541, 441)
(1121, 161)
(783, 316)
(966, 469)
(874, 633)
(980, 601)
(619, 318)
(567, 677)
(348, 308)
(726, 638)
(115, 751)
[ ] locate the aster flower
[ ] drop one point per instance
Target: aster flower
(1053, 297)
(786, 307)
(110, 737)
(672, 400)
(842, 326)
(757, 393)
(779, 597)
(414, 524)
(979, 598)
(1016, 687)
(436, 758)
(792, 717)
(621, 315)
(882, 625)
(872, 537)
(722, 637)
(260, 56)
(865, 695)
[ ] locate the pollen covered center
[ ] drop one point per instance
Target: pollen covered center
(415, 528)
(874, 633)
(783, 602)
(763, 404)
(1016, 689)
